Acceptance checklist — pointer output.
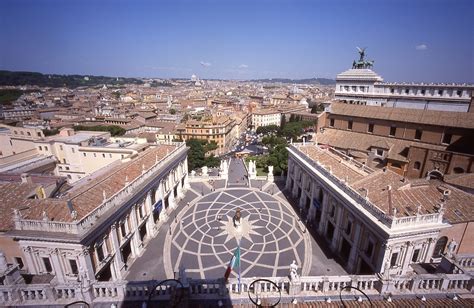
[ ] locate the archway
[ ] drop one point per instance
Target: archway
(435, 175)
(440, 246)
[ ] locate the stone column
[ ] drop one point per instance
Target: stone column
(163, 213)
(180, 190)
(172, 200)
(85, 263)
(58, 270)
(352, 264)
(337, 229)
(30, 264)
(149, 220)
(324, 211)
(136, 236)
(429, 249)
(407, 257)
(118, 255)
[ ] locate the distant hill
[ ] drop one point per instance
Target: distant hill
(9, 78)
(320, 81)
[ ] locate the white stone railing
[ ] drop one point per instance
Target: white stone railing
(46, 225)
(115, 200)
(465, 261)
(402, 222)
(306, 286)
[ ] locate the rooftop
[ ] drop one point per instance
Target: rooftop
(83, 199)
(429, 117)
(408, 197)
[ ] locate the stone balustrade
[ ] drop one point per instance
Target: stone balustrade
(465, 261)
(315, 287)
(83, 225)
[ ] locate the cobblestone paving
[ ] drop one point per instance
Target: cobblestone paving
(202, 245)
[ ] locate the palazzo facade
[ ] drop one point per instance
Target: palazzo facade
(94, 232)
(374, 221)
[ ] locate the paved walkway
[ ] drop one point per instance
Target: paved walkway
(203, 237)
(238, 176)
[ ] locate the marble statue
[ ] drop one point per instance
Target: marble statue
(236, 219)
(294, 270)
(451, 248)
(204, 170)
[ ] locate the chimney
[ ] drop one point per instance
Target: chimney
(26, 178)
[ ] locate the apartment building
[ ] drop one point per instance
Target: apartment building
(266, 117)
(219, 129)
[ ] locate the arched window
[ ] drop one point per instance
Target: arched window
(458, 170)
(440, 246)
(435, 174)
(417, 165)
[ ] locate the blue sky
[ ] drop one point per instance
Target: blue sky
(410, 40)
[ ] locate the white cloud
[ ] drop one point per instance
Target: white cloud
(421, 47)
(243, 66)
(205, 64)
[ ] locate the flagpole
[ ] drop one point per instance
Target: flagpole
(240, 261)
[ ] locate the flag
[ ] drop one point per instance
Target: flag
(234, 262)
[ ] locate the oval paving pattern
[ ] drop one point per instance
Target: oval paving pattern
(205, 238)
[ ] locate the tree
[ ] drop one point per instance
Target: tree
(314, 109)
(114, 130)
(172, 111)
(197, 154)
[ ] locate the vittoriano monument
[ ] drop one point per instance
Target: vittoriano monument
(362, 63)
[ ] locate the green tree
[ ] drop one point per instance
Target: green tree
(197, 154)
(172, 111)
(114, 130)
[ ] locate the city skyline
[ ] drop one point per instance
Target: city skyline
(424, 42)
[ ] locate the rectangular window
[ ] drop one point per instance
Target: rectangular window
(459, 93)
(349, 227)
(393, 260)
(370, 249)
(370, 129)
(73, 265)
(45, 148)
(423, 92)
(416, 253)
(103, 155)
(19, 261)
(331, 122)
(418, 134)
(447, 138)
(379, 152)
(72, 150)
(47, 265)
(84, 154)
(64, 161)
(61, 147)
(40, 148)
(349, 125)
(393, 130)
(100, 253)
(392, 90)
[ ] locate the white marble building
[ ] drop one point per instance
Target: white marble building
(375, 221)
(363, 86)
(96, 231)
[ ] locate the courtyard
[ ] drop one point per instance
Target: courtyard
(200, 236)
